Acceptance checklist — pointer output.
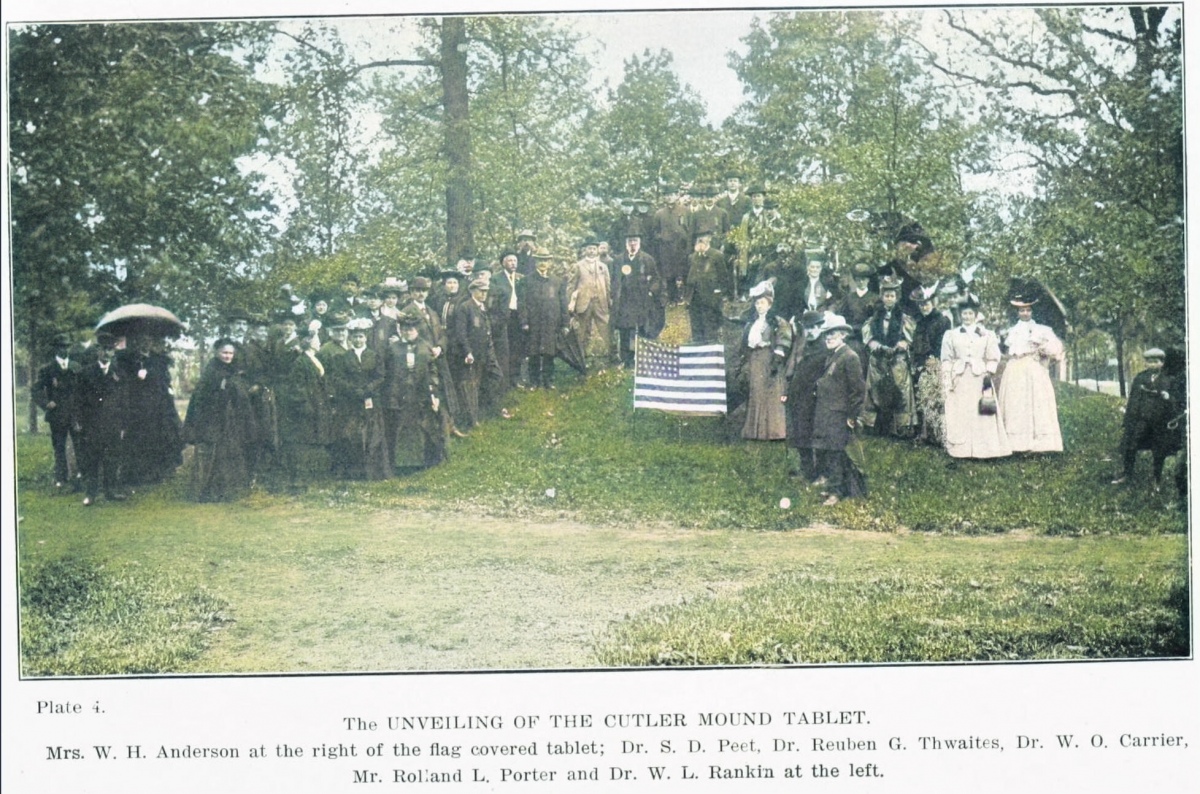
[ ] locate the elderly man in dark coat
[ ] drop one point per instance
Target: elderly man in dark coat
(841, 391)
(544, 318)
(637, 291)
(54, 392)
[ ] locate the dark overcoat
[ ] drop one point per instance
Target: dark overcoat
(841, 391)
(635, 293)
(542, 305)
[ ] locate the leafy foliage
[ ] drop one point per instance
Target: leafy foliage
(841, 116)
(125, 141)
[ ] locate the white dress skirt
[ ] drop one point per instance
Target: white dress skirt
(1026, 394)
(968, 355)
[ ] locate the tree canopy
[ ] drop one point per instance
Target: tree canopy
(170, 162)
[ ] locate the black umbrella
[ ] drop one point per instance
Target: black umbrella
(570, 350)
(140, 318)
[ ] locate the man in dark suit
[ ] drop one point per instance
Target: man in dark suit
(840, 392)
(54, 393)
(709, 281)
(472, 353)
(671, 227)
(504, 307)
(735, 201)
(637, 295)
(102, 413)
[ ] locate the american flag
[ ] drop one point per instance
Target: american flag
(688, 379)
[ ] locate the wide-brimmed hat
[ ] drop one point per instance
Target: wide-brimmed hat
(834, 322)
(1022, 300)
(763, 289)
(542, 252)
(1154, 352)
(360, 325)
(61, 341)
(526, 234)
(445, 274)
(337, 320)
(409, 317)
(922, 294)
(890, 283)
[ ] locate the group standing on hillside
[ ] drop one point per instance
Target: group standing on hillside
(365, 383)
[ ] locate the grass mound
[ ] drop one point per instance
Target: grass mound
(583, 452)
(80, 618)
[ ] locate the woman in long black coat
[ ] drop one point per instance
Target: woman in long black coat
(220, 422)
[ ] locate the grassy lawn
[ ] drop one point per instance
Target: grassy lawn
(663, 543)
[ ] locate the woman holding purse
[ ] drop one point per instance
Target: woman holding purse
(970, 356)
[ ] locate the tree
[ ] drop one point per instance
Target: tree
(653, 128)
(124, 148)
(841, 116)
(526, 86)
(1092, 97)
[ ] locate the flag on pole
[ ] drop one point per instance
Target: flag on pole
(687, 379)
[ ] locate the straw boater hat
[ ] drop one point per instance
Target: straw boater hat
(1154, 352)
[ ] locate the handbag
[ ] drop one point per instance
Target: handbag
(987, 400)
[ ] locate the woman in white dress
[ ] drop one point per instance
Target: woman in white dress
(1026, 393)
(970, 355)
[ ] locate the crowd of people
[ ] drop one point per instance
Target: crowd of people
(365, 383)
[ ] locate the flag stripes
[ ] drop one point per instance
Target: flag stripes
(687, 379)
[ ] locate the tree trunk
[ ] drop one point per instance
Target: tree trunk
(1119, 338)
(460, 226)
(31, 376)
